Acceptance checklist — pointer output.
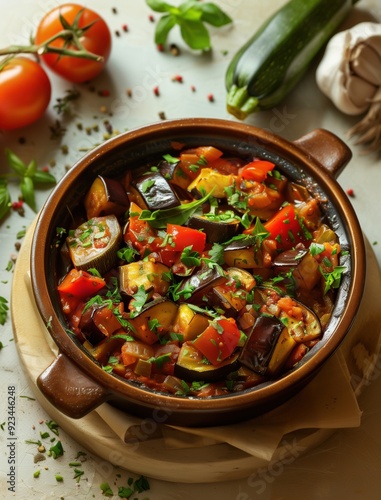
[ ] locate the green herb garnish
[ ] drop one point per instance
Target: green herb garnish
(176, 215)
(191, 17)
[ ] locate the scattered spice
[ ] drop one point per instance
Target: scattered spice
(174, 49)
(125, 28)
(57, 130)
(117, 33)
(156, 90)
(114, 10)
(63, 103)
(129, 92)
(350, 192)
(162, 115)
(193, 88)
(104, 93)
(210, 97)
(160, 47)
(36, 473)
(151, 18)
(177, 78)
(108, 126)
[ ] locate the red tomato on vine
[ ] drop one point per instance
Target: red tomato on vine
(25, 92)
(88, 28)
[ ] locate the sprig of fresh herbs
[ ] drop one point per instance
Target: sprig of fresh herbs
(28, 176)
(191, 17)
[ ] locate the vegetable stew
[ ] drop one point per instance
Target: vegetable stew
(200, 275)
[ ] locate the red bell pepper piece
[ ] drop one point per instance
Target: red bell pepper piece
(218, 340)
(285, 229)
(182, 237)
(256, 170)
(80, 284)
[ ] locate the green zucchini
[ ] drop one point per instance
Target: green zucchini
(270, 64)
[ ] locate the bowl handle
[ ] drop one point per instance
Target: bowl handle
(69, 389)
(326, 148)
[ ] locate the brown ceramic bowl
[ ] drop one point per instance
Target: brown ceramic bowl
(76, 384)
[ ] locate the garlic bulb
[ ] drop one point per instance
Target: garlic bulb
(350, 75)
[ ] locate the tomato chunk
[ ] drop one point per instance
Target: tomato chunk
(80, 284)
(219, 340)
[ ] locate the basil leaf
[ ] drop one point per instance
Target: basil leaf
(159, 6)
(27, 191)
(31, 168)
(191, 11)
(195, 35)
(213, 15)
(43, 177)
(176, 215)
(5, 198)
(163, 27)
(15, 162)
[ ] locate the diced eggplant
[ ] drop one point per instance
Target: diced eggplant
(154, 191)
(302, 331)
(143, 368)
(244, 254)
(104, 349)
(201, 283)
(163, 311)
(105, 197)
(216, 231)
(290, 259)
(143, 273)
(257, 351)
(94, 244)
(243, 279)
(209, 179)
(167, 168)
(303, 266)
(282, 350)
(229, 301)
(191, 365)
(98, 323)
(190, 323)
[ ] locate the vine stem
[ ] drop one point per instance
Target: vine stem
(45, 48)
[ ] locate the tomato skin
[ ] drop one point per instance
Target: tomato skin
(97, 39)
(25, 93)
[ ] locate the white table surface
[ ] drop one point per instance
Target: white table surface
(347, 465)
